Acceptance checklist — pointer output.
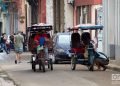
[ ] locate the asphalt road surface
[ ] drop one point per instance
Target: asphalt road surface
(62, 75)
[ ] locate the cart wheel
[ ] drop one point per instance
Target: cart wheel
(73, 63)
(43, 65)
(39, 66)
(48, 63)
(33, 67)
(51, 64)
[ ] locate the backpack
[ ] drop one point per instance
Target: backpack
(42, 41)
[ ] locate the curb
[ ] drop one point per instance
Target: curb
(8, 77)
(115, 68)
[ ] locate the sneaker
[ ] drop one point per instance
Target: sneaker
(15, 61)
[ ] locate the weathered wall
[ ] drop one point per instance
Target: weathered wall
(42, 11)
(49, 12)
(112, 28)
(68, 15)
(21, 13)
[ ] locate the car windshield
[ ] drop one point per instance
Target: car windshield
(64, 39)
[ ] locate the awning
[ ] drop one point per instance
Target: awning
(89, 27)
(39, 27)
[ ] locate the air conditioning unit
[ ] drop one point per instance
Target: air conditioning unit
(70, 1)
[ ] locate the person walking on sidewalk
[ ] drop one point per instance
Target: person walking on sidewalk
(3, 42)
(24, 36)
(18, 44)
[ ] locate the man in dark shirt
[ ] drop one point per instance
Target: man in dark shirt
(12, 41)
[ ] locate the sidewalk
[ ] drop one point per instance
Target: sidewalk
(114, 67)
(5, 80)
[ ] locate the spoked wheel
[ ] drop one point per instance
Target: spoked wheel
(43, 65)
(48, 65)
(33, 58)
(51, 64)
(73, 63)
(39, 66)
(33, 66)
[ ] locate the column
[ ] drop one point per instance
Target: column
(117, 30)
(42, 11)
(105, 32)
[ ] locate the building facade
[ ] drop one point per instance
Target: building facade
(38, 11)
(13, 16)
(9, 17)
(88, 12)
(55, 12)
(112, 29)
(85, 11)
(69, 14)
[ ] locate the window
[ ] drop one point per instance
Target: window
(64, 39)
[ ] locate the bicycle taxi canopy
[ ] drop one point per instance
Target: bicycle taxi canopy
(89, 27)
(76, 38)
(86, 27)
(40, 27)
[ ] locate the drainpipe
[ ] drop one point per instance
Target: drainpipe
(74, 13)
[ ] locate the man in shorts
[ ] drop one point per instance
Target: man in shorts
(18, 44)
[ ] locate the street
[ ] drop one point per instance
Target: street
(62, 75)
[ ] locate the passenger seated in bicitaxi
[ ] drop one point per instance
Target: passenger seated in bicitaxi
(76, 44)
(85, 37)
(36, 41)
(31, 44)
(41, 43)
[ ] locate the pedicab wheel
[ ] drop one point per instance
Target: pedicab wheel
(73, 63)
(39, 66)
(51, 64)
(43, 65)
(48, 65)
(33, 66)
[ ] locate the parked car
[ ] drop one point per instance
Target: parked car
(62, 47)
